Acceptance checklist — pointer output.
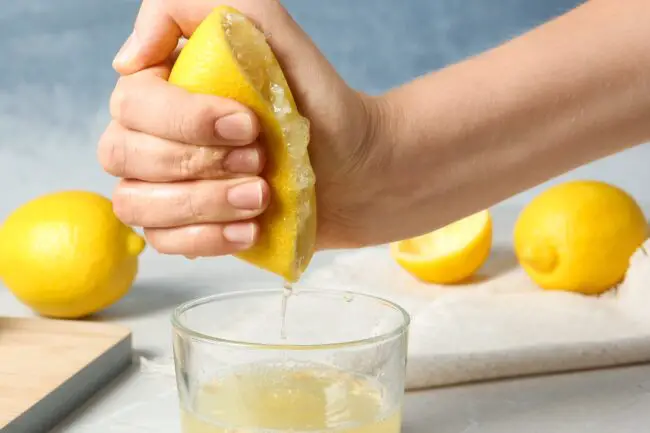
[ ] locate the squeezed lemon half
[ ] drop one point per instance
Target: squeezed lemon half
(450, 254)
(228, 56)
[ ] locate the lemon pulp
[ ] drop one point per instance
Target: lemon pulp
(450, 254)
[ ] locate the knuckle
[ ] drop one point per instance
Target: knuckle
(196, 124)
(195, 205)
(120, 101)
(111, 153)
(182, 125)
(123, 206)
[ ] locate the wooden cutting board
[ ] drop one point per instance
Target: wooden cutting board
(50, 367)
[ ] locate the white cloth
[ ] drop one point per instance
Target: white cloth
(502, 325)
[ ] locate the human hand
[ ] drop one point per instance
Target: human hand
(190, 163)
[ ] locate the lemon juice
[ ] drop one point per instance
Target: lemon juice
(285, 398)
(286, 294)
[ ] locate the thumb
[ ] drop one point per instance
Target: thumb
(154, 38)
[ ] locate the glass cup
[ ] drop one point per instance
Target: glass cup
(336, 363)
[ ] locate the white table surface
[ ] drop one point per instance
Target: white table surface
(603, 401)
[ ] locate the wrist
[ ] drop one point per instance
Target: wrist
(383, 121)
(400, 186)
(367, 193)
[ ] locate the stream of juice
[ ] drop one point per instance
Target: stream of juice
(298, 399)
(286, 294)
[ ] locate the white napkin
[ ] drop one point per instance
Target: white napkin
(502, 325)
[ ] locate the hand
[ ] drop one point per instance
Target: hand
(190, 162)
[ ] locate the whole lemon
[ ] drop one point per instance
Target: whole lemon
(579, 236)
(66, 255)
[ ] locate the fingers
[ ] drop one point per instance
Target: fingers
(160, 24)
(146, 102)
(154, 38)
(135, 155)
(204, 240)
(177, 204)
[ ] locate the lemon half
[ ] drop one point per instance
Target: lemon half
(228, 56)
(448, 255)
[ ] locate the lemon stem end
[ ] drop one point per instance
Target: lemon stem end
(542, 258)
(135, 244)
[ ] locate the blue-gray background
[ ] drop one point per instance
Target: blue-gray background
(55, 74)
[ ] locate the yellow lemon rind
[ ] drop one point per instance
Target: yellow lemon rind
(578, 236)
(65, 254)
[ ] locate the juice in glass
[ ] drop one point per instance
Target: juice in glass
(339, 367)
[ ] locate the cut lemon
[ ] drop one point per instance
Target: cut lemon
(228, 56)
(448, 255)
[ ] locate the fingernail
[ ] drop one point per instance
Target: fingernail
(235, 127)
(243, 233)
(128, 51)
(249, 195)
(242, 161)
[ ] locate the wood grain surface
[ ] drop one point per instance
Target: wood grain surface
(50, 367)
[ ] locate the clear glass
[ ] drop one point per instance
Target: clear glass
(340, 366)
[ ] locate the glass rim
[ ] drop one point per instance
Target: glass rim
(178, 326)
